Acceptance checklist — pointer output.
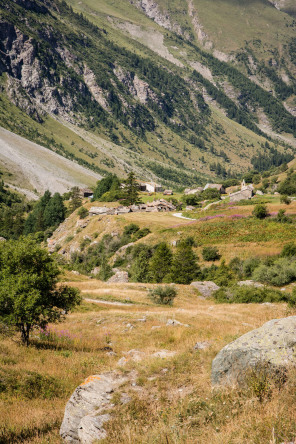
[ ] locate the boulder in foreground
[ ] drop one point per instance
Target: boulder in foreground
(85, 412)
(273, 345)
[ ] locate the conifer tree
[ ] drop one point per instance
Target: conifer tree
(54, 212)
(184, 267)
(160, 263)
(76, 200)
(131, 190)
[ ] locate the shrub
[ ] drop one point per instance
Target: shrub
(211, 254)
(82, 212)
(282, 218)
(141, 233)
(285, 199)
(282, 272)
(131, 229)
(248, 295)
(250, 265)
(163, 295)
(289, 250)
(260, 211)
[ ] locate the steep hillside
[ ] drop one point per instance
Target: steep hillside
(36, 169)
(137, 86)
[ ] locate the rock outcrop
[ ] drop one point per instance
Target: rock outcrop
(272, 345)
(120, 277)
(205, 288)
(85, 412)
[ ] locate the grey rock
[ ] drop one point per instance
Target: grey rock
(250, 283)
(131, 355)
(163, 354)
(175, 323)
(83, 421)
(203, 345)
(119, 277)
(2, 239)
(206, 288)
(273, 345)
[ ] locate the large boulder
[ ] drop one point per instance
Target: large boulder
(120, 277)
(272, 345)
(85, 412)
(206, 288)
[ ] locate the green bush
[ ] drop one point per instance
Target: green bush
(250, 265)
(211, 254)
(289, 250)
(163, 295)
(260, 211)
(131, 229)
(282, 218)
(141, 233)
(281, 272)
(82, 212)
(248, 295)
(285, 199)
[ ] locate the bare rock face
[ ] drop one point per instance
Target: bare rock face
(30, 85)
(206, 288)
(83, 419)
(153, 11)
(272, 345)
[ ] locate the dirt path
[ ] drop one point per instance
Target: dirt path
(101, 301)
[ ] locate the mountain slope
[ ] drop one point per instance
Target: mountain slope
(136, 86)
(35, 168)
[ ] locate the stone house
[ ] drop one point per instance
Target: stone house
(150, 187)
(246, 192)
(86, 192)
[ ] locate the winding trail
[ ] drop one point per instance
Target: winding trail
(101, 301)
(179, 215)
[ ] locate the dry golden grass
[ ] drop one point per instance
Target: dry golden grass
(173, 401)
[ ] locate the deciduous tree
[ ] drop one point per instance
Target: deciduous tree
(29, 292)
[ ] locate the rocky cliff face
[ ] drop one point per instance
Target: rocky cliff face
(153, 11)
(31, 85)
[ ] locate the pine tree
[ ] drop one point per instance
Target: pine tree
(131, 190)
(54, 212)
(160, 263)
(76, 200)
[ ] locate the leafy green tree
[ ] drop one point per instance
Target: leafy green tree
(160, 263)
(184, 266)
(131, 190)
(30, 296)
(108, 189)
